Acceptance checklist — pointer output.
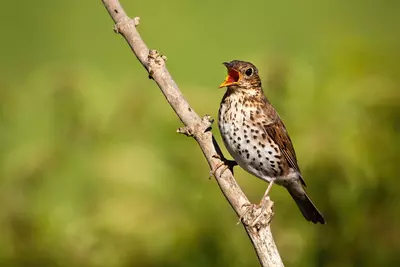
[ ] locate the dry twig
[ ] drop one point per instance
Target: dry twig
(197, 127)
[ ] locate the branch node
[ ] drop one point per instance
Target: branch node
(198, 127)
(116, 28)
(136, 20)
(206, 123)
(186, 130)
(126, 22)
(154, 59)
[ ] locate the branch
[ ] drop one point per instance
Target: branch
(256, 220)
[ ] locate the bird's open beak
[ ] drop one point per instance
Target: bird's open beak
(232, 78)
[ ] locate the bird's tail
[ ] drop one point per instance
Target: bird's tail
(310, 212)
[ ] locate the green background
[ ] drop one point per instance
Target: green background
(92, 172)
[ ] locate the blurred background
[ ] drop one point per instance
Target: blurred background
(93, 174)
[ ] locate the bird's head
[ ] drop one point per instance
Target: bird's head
(241, 74)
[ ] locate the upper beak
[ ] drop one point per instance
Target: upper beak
(227, 64)
(233, 76)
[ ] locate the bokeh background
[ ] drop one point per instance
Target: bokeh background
(93, 174)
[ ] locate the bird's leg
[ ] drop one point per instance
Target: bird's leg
(263, 204)
(266, 192)
(226, 163)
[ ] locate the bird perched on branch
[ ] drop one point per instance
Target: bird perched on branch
(256, 137)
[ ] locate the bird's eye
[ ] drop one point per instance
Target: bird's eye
(249, 72)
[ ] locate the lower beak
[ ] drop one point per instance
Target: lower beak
(227, 82)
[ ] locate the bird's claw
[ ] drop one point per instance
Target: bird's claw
(213, 172)
(227, 164)
(250, 207)
(256, 215)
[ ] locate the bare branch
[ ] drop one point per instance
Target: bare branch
(256, 221)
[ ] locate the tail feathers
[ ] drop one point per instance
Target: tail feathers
(310, 212)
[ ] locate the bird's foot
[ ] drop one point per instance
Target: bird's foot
(264, 205)
(250, 208)
(265, 215)
(225, 163)
(257, 215)
(213, 172)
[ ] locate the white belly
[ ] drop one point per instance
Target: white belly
(244, 142)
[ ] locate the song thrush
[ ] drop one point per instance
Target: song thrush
(256, 137)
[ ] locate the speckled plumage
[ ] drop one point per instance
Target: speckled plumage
(257, 139)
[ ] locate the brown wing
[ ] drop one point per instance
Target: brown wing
(277, 132)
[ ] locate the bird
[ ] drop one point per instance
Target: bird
(256, 137)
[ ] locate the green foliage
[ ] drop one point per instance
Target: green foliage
(92, 172)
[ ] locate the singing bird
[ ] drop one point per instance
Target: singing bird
(256, 137)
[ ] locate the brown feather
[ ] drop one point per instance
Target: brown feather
(276, 130)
